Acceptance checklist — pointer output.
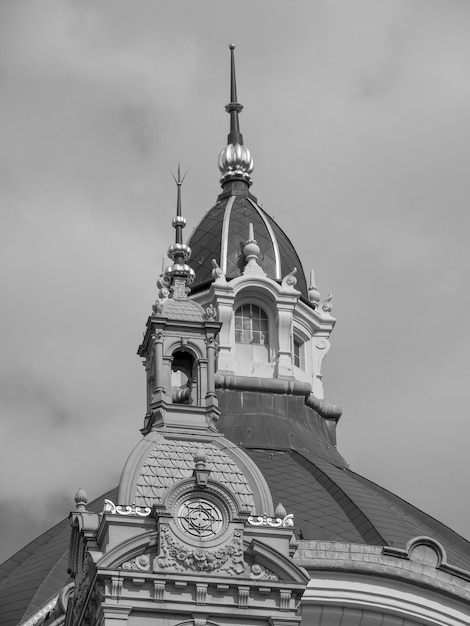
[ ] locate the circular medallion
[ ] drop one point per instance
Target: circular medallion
(200, 518)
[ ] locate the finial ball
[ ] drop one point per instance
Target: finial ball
(231, 46)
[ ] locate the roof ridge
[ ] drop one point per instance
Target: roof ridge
(372, 535)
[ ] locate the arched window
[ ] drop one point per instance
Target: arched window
(251, 325)
(183, 377)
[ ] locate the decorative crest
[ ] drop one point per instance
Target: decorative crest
(235, 160)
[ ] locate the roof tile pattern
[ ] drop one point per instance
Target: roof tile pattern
(206, 241)
(170, 461)
(316, 513)
(182, 310)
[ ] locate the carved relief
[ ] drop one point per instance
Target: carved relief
(261, 573)
(82, 585)
(176, 555)
(141, 563)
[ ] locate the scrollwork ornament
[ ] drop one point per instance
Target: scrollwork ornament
(290, 280)
(217, 272)
(272, 522)
(326, 304)
(140, 511)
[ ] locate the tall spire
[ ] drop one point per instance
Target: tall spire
(235, 160)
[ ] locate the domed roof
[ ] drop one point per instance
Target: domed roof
(223, 232)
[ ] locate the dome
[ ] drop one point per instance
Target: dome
(223, 232)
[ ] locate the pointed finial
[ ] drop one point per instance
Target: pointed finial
(235, 161)
(251, 250)
(280, 511)
(313, 293)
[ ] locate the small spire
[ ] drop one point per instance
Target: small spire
(179, 252)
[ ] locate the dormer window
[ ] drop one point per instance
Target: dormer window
(252, 348)
(251, 325)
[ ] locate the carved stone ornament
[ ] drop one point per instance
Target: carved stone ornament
(175, 555)
(326, 304)
(211, 312)
(82, 585)
(272, 522)
(157, 307)
(217, 273)
(140, 563)
(261, 573)
(200, 518)
(290, 281)
(140, 511)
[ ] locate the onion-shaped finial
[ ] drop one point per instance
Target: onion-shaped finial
(280, 512)
(235, 163)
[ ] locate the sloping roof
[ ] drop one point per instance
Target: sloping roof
(33, 575)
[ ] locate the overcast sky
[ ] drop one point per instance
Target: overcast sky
(357, 114)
